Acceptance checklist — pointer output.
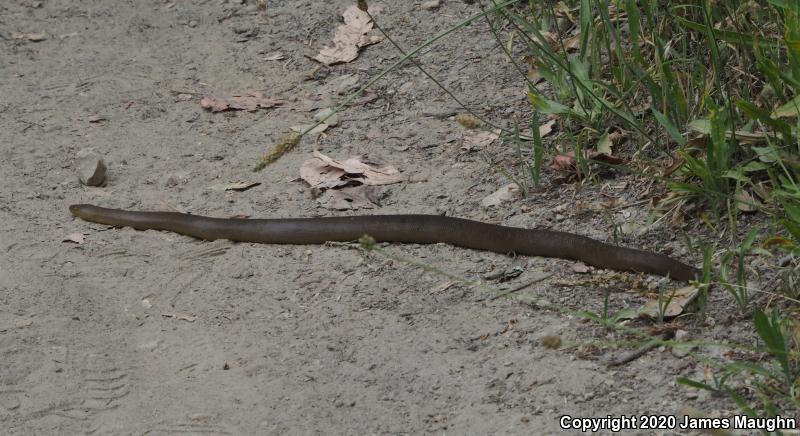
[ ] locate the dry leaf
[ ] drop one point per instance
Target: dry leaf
(349, 38)
(347, 198)
(323, 172)
(676, 302)
(235, 186)
(746, 202)
(366, 97)
(546, 128)
(250, 102)
(566, 161)
(478, 141)
(506, 193)
(78, 238)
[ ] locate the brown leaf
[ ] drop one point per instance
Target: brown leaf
(746, 202)
(546, 128)
(322, 171)
(349, 38)
(478, 141)
(250, 102)
(566, 161)
(366, 97)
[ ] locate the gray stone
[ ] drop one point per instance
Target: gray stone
(91, 167)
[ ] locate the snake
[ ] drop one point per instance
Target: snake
(417, 229)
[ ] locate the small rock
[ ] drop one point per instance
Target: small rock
(502, 195)
(430, 5)
(193, 23)
(91, 167)
(322, 113)
(681, 351)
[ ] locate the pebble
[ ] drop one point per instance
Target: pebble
(193, 23)
(91, 167)
(430, 5)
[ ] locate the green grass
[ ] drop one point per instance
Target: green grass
(714, 84)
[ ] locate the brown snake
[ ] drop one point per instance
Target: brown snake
(418, 229)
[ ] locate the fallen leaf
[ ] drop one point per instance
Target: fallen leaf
(366, 97)
(566, 161)
(347, 198)
(322, 171)
(349, 38)
(746, 202)
(235, 186)
(478, 141)
(676, 302)
(250, 102)
(78, 238)
(502, 195)
(546, 128)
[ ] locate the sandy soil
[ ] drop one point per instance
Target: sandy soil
(155, 333)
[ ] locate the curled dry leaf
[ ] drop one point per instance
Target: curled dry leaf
(478, 140)
(746, 201)
(566, 161)
(349, 38)
(322, 171)
(251, 101)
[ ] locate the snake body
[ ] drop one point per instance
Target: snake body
(418, 229)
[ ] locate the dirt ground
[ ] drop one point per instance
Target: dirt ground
(146, 332)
